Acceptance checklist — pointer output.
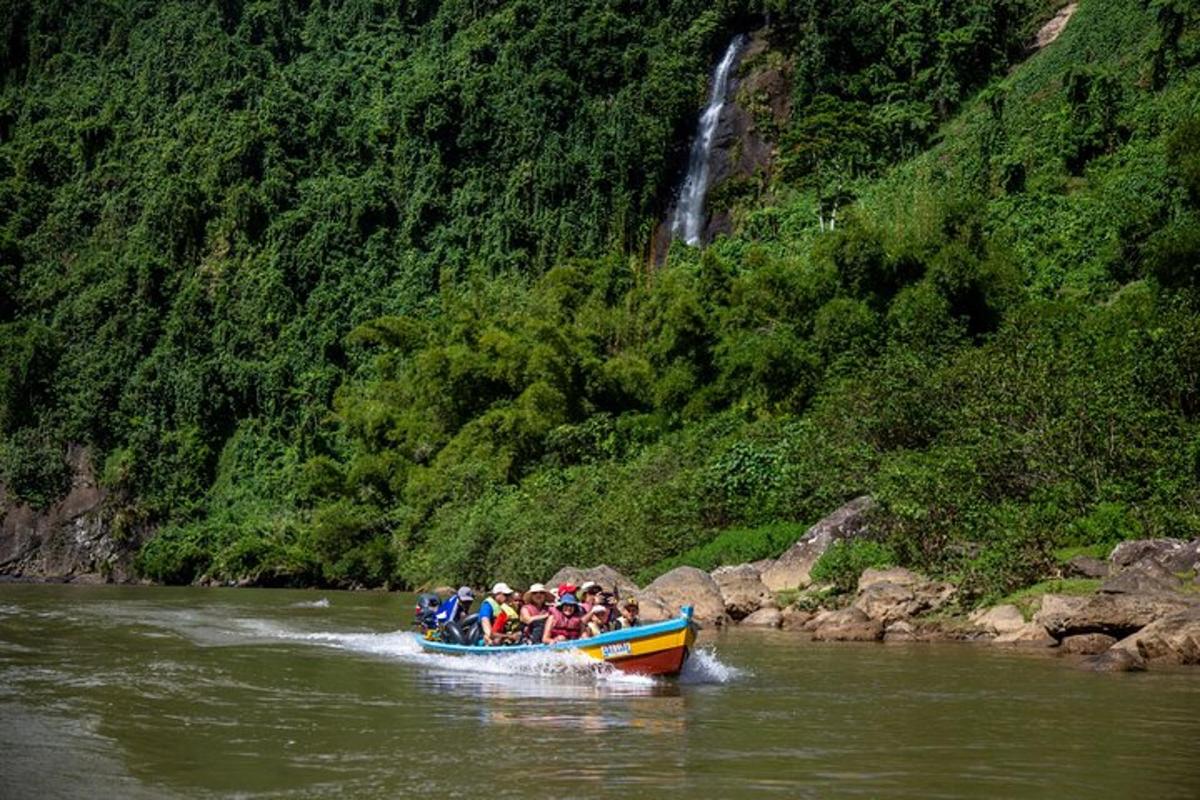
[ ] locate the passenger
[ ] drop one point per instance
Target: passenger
(629, 614)
(491, 609)
(589, 593)
(534, 613)
(595, 613)
(566, 623)
(455, 607)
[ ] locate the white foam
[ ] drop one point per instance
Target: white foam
(537, 670)
(322, 603)
(703, 666)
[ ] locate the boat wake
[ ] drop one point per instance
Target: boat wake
(704, 666)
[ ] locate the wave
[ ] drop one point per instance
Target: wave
(322, 603)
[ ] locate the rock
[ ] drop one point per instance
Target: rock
(1175, 555)
(1054, 28)
(764, 618)
(1031, 634)
(893, 594)
(1174, 639)
(85, 533)
(998, 620)
(1087, 567)
(688, 586)
(791, 570)
(886, 602)
(742, 590)
(848, 625)
(894, 575)
(762, 564)
(900, 631)
(1086, 644)
(606, 576)
(816, 620)
(1115, 660)
(1143, 577)
(652, 608)
(795, 617)
(1114, 614)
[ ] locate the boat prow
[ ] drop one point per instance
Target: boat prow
(660, 648)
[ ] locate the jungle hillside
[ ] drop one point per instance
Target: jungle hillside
(354, 293)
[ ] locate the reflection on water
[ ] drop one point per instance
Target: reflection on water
(203, 693)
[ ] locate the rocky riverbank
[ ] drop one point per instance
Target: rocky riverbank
(1138, 608)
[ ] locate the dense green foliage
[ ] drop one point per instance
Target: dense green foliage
(969, 288)
(843, 563)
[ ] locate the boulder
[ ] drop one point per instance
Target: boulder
(606, 576)
(886, 602)
(792, 569)
(1114, 614)
(898, 576)
(1086, 644)
(848, 625)
(764, 618)
(998, 620)
(795, 617)
(894, 594)
(1143, 577)
(900, 631)
(762, 564)
(1115, 659)
(1087, 567)
(742, 589)
(688, 586)
(1175, 555)
(652, 608)
(818, 619)
(1174, 639)
(1031, 634)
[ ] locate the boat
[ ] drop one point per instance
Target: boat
(660, 648)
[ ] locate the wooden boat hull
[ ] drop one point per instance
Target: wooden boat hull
(660, 648)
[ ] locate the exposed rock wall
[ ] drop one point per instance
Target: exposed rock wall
(744, 146)
(72, 540)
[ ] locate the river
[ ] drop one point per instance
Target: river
(159, 692)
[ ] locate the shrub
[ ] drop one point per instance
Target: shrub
(844, 562)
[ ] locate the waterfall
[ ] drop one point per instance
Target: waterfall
(689, 207)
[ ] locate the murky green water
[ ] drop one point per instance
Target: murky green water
(117, 692)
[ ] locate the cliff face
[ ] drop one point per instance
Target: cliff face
(745, 144)
(73, 540)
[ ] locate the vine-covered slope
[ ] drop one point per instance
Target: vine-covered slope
(346, 293)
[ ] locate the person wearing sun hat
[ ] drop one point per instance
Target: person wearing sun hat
(595, 613)
(492, 608)
(534, 613)
(629, 614)
(566, 621)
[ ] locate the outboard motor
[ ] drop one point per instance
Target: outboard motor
(425, 615)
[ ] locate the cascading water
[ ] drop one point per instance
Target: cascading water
(689, 207)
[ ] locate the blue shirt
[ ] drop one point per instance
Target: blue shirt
(487, 610)
(448, 611)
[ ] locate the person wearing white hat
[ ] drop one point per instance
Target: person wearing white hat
(492, 610)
